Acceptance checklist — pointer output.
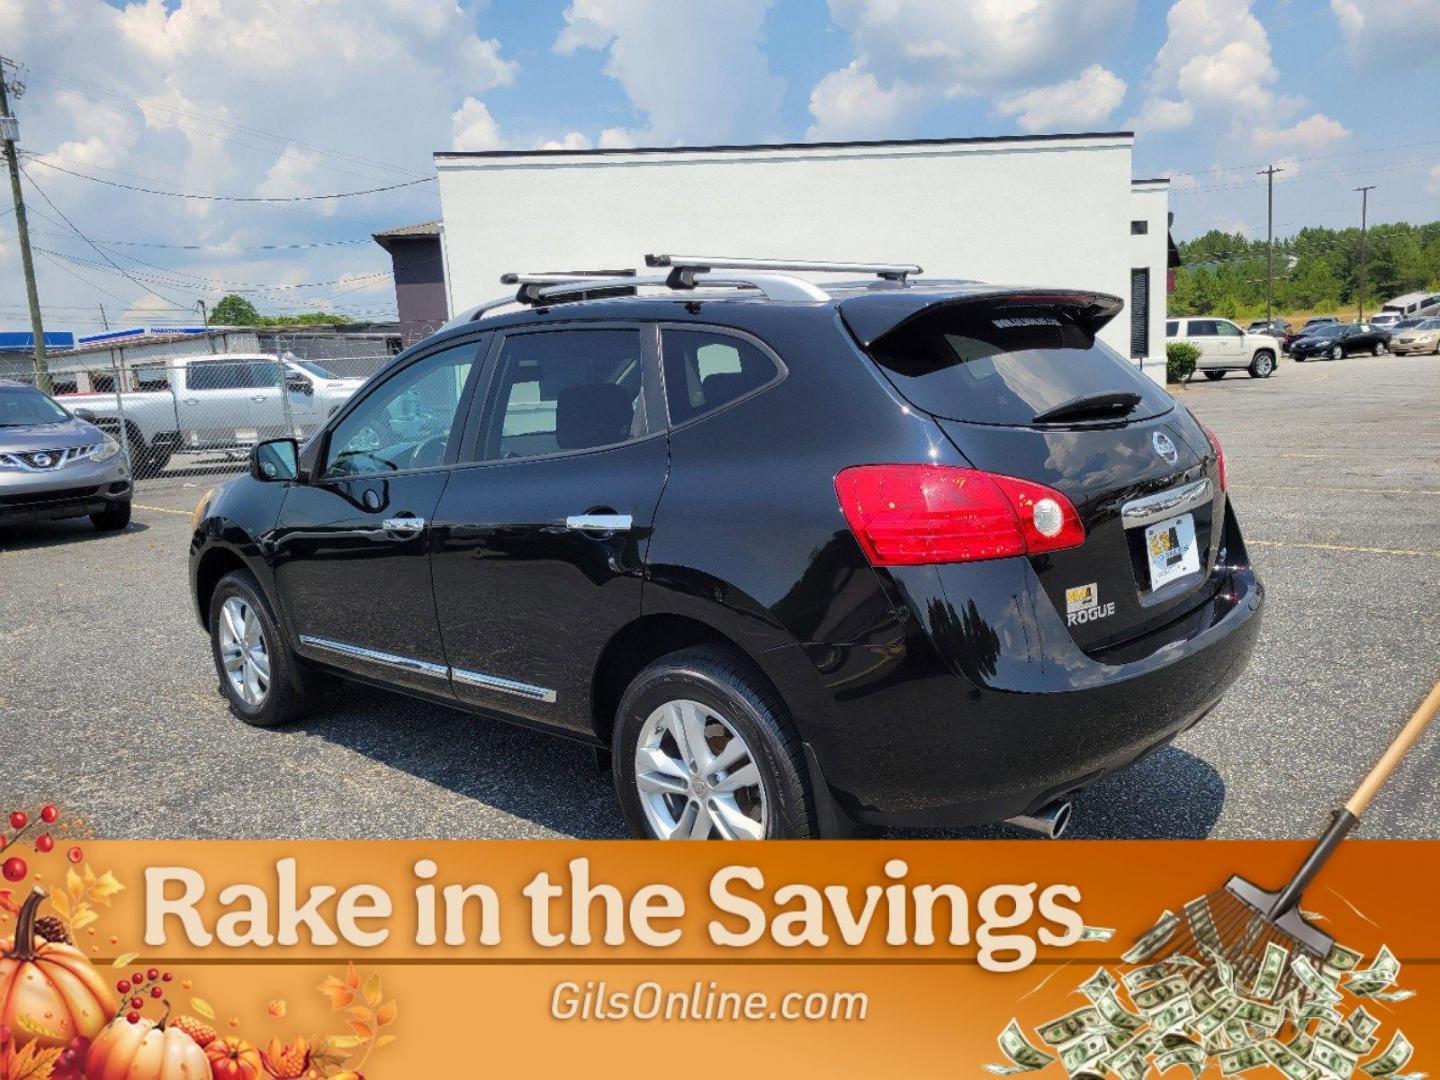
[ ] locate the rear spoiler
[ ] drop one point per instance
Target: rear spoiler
(873, 315)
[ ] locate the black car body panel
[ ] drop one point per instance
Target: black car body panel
(1352, 339)
(926, 694)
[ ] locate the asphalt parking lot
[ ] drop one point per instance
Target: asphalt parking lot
(108, 698)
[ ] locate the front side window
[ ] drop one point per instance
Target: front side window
(705, 370)
(1227, 329)
(564, 390)
(407, 422)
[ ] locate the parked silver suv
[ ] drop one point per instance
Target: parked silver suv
(56, 464)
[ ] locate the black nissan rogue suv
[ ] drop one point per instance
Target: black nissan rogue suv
(803, 560)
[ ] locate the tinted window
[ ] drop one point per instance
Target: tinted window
(20, 406)
(1139, 228)
(1326, 331)
(564, 390)
(993, 366)
(407, 421)
(233, 375)
(1172, 328)
(1225, 329)
(1202, 328)
(705, 370)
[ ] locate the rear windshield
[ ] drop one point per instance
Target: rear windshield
(993, 365)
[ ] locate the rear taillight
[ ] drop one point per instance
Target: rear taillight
(1219, 454)
(909, 515)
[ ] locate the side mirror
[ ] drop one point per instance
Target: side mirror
(275, 460)
(88, 415)
(297, 385)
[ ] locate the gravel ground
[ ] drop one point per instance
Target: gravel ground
(108, 699)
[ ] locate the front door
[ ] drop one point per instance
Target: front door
(540, 539)
(1230, 342)
(351, 550)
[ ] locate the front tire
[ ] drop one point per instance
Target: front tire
(1262, 365)
(1379, 349)
(260, 678)
(704, 749)
(1213, 375)
(1336, 353)
(114, 519)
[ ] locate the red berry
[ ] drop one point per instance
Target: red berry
(19, 819)
(138, 978)
(166, 977)
(156, 992)
(15, 869)
(137, 1003)
(152, 974)
(49, 814)
(74, 854)
(133, 1017)
(123, 986)
(44, 843)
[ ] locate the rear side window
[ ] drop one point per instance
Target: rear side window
(1172, 328)
(1202, 328)
(989, 365)
(705, 370)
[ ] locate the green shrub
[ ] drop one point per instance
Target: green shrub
(1180, 360)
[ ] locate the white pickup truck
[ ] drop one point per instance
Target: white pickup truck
(215, 402)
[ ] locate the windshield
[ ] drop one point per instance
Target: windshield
(1329, 330)
(20, 406)
(315, 369)
(991, 365)
(1429, 324)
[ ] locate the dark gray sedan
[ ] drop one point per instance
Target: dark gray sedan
(1340, 340)
(54, 464)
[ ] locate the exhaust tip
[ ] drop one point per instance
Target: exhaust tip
(1051, 820)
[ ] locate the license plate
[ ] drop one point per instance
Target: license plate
(1172, 551)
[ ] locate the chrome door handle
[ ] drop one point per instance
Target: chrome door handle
(192, 401)
(599, 522)
(260, 399)
(403, 524)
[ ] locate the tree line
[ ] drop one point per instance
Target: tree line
(1316, 270)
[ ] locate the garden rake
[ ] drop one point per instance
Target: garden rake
(1236, 923)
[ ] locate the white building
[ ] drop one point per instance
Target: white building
(1057, 210)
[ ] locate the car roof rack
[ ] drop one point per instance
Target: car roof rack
(773, 278)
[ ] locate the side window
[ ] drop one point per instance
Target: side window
(259, 374)
(1202, 328)
(1172, 328)
(211, 375)
(705, 370)
(1227, 329)
(406, 422)
(564, 390)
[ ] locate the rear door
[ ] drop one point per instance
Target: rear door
(540, 537)
(1202, 334)
(1144, 483)
(231, 402)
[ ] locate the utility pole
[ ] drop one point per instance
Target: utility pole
(104, 319)
(9, 133)
(205, 319)
(1269, 174)
(1364, 199)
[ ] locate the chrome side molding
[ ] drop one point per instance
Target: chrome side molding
(504, 686)
(424, 667)
(1165, 504)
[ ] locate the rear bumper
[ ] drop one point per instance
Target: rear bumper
(910, 741)
(77, 491)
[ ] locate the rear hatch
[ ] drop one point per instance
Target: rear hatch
(1022, 387)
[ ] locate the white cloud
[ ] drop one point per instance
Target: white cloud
(1433, 186)
(1312, 133)
(849, 103)
(1086, 100)
(473, 128)
(1389, 31)
(697, 73)
(572, 140)
(1162, 114)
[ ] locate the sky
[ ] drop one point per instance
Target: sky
(237, 104)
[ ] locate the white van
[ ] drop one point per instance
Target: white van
(1410, 306)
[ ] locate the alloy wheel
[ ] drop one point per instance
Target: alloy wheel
(696, 776)
(243, 652)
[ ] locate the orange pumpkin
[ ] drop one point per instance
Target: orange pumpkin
(233, 1059)
(145, 1051)
(50, 985)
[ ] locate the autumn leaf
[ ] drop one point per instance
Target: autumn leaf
(203, 1007)
(105, 887)
(35, 1027)
(372, 989)
(365, 1031)
(88, 876)
(32, 1063)
(384, 1040)
(339, 995)
(124, 959)
(84, 915)
(386, 1013)
(277, 1008)
(73, 884)
(343, 1042)
(352, 977)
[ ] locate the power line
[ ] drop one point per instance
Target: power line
(1416, 162)
(230, 198)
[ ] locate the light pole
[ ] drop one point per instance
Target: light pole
(1364, 200)
(1269, 174)
(9, 133)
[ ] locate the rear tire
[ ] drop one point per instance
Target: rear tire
(288, 690)
(685, 795)
(114, 519)
(1379, 349)
(1213, 375)
(1262, 365)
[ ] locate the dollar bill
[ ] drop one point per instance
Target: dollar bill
(1069, 1027)
(1173, 1015)
(1152, 998)
(1346, 1038)
(1097, 933)
(1361, 1022)
(1083, 1052)
(1023, 1057)
(1153, 940)
(1342, 959)
(1334, 1059)
(1272, 966)
(1223, 971)
(1116, 1015)
(1313, 981)
(1267, 1017)
(1287, 1061)
(1141, 976)
(1242, 1059)
(1390, 996)
(1192, 1056)
(1202, 923)
(1302, 1044)
(1383, 971)
(1396, 1056)
(1102, 982)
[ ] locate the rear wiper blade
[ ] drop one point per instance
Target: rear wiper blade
(1091, 407)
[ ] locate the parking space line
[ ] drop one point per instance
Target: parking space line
(1335, 487)
(1339, 547)
(163, 510)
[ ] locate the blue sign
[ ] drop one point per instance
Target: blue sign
(24, 340)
